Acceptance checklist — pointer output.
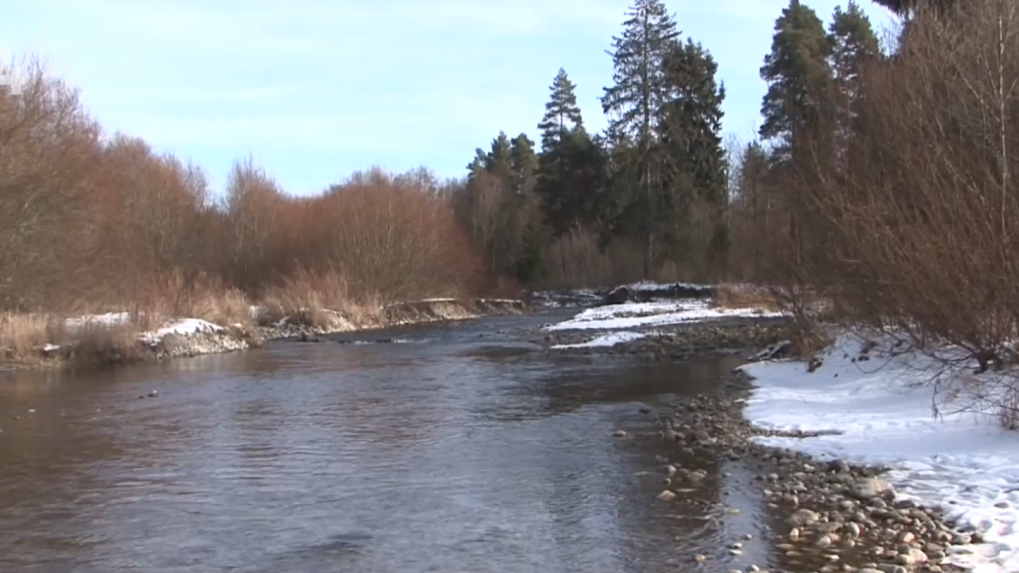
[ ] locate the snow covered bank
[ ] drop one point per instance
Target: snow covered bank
(644, 314)
(174, 337)
(875, 405)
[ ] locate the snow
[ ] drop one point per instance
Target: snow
(641, 314)
(610, 339)
(179, 326)
(880, 411)
(649, 286)
(108, 319)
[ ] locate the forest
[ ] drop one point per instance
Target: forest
(881, 181)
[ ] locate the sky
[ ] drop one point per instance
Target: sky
(314, 90)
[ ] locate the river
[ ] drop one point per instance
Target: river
(455, 448)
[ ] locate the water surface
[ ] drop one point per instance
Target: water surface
(459, 448)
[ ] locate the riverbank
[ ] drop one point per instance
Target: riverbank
(35, 341)
(835, 513)
(879, 457)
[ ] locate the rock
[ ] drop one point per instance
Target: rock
(912, 556)
(618, 295)
(666, 495)
(700, 558)
(868, 489)
(803, 517)
(153, 394)
(619, 434)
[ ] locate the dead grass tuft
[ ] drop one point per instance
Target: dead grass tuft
(743, 296)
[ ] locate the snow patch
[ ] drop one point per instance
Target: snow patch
(610, 339)
(181, 327)
(880, 411)
(640, 314)
(107, 319)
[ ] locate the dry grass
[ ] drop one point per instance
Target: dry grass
(742, 296)
(318, 299)
(24, 337)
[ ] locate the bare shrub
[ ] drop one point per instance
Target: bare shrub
(584, 263)
(924, 215)
(48, 152)
(743, 296)
(393, 240)
(102, 344)
(22, 336)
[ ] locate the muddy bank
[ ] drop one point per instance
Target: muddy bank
(680, 341)
(323, 322)
(832, 515)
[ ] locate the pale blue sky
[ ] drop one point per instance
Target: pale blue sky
(316, 89)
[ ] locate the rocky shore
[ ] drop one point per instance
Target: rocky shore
(835, 516)
(681, 341)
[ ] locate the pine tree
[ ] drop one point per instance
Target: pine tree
(797, 73)
(906, 8)
(524, 164)
(854, 44)
(562, 195)
(633, 104)
(562, 115)
(690, 132)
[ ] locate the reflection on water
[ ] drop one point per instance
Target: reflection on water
(456, 453)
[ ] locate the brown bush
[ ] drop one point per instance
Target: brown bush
(742, 296)
(577, 260)
(910, 223)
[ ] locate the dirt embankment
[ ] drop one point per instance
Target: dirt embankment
(322, 322)
(105, 344)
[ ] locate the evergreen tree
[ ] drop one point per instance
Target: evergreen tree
(906, 8)
(500, 158)
(562, 115)
(565, 161)
(854, 44)
(797, 73)
(633, 104)
(524, 164)
(690, 132)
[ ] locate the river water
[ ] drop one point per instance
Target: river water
(454, 448)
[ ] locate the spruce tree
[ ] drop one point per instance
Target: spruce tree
(562, 115)
(524, 164)
(633, 104)
(797, 73)
(559, 165)
(854, 44)
(690, 132)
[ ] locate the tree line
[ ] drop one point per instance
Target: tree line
(659, 191)
(881, 180)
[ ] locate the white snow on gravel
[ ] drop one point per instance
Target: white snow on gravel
(609, 340)
(882, 410)
(642, 314)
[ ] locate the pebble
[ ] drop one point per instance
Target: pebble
(837, 514)
(619, 434)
